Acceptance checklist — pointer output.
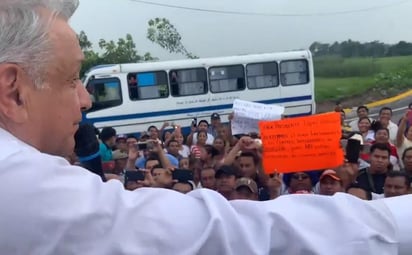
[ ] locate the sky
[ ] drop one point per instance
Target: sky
(260, 26)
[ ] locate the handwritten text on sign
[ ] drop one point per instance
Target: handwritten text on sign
(302, 144)
(247, 115)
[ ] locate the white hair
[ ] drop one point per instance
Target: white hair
(24, 30)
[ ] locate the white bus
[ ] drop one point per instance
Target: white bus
(132, 97)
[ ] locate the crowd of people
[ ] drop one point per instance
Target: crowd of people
(378, 160)
(53, 206)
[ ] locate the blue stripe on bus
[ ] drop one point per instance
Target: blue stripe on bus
(189, 110)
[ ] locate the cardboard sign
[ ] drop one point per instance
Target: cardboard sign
(302, 144)
(248, 114)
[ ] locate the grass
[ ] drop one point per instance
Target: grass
(332, 89)
(337, 78)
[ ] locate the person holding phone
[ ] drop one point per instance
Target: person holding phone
(404, 141)
(52, 207)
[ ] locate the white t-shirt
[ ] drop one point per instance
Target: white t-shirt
(185, 151)
(393, 130)
(354, 124)
(209, 139)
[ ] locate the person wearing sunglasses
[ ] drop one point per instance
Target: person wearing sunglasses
(299, 182)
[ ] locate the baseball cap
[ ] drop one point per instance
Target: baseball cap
(225, 170)
(119, 137)
(357, 137)
(247, 182)
(117, 154)
(215, 115)
(331, 173)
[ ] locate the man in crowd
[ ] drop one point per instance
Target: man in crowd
(107, 142)
(407, 161)
(226, 181)
(41, 97)
(203, 125)
(397, 183)
(121, 143)
(246, 188)
(207, 178)
(372, 179)
(385, 118)
(215, 123)
(330, 183)
(362, 111)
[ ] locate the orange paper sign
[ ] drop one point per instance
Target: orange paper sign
(302, 144)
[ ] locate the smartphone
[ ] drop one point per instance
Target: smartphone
(147, 145)
(182, 175)
(194, 122)
(131, 175)
(353, 149)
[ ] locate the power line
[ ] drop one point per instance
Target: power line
(271, 14)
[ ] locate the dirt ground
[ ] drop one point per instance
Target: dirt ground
(356, 101)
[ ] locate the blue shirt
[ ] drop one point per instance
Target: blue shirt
(105, 152)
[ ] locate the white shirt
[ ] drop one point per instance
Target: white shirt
(210, 139)
(354, 124)
(393, 130)
(185, 151)
(51, 207)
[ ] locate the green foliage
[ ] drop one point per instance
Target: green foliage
(334, 89)
(163, 33)
(337, 78)
(401, 78)
(122, 51)
(336, 66)
(350, 49)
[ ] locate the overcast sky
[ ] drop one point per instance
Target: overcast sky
(208, 34)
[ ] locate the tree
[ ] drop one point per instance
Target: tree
(84, 42)
(124, 51)
(163, 33)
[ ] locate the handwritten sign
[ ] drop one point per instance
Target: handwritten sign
(248, 114)
(302, 144)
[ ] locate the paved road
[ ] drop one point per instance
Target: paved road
(398, 109)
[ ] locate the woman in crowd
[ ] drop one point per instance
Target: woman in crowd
(196, 149)
(225, 133)
(364, 126)
(177, 135)
(404, 135)
(208, 156)
(300, 182)
(222, 147)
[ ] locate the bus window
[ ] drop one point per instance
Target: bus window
(227, 78)
(262, 75)
(104, 93)
(132, 85)
(188, 82)
(148, 85)
(294, 72)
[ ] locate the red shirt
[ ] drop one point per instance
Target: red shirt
(394, 152)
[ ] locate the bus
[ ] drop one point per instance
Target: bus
(131, 97)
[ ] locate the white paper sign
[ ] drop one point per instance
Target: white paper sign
(248, 114)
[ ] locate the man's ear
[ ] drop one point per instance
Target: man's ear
(12, 105)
